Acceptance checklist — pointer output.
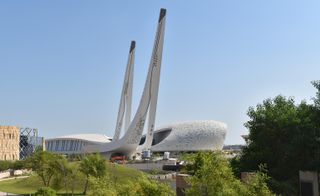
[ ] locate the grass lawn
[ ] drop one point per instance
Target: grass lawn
(121, 174)
(20, 186)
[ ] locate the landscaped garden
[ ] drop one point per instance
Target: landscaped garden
(92, 175)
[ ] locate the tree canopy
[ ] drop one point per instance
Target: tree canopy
(286, 137)
(93, 165)
(211, 174)
(43, 163)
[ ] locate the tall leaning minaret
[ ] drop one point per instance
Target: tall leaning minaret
(155, 62)
(124, 113)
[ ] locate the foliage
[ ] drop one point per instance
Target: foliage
(119, 174)
(43, 163)
(74, 157)
(73, 175)
(142, 186)
(257, 183)
(92, 165)
(235, 165)
(286, 137)
(19, 164)
(101, 186)
(5, 165)
(46, 191)
(152, 187)
(211, 174)
(61, 167)
(316, 100)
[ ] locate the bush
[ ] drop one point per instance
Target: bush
(46, 191)
(5, 165)
(19, 165)
(152, 187)
(101, 186)
(212, 175)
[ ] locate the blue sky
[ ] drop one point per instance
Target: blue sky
(62, 63)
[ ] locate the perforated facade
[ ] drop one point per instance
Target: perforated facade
(9, 142)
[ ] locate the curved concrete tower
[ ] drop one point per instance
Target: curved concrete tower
(156, 64)
(128, 144)
(126, 95)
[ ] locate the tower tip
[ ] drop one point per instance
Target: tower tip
(132, 46)
(162, 14)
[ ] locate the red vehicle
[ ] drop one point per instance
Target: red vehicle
(118, 159)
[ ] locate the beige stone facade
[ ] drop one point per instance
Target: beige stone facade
(9, 142)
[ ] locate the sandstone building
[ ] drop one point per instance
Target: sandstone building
(9, 142)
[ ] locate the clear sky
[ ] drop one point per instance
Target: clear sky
(62, 63)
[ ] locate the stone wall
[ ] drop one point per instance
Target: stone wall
(9, 142)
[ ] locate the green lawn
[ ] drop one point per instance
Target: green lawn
(121, 174)
(20, 186)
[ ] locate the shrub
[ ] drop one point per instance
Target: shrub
(4, 165)
(19, 165)
(46, 191)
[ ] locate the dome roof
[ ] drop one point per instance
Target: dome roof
(88, 137)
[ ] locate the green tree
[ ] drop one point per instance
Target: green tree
(92, 165)
(211, 174)
(256, 183)
(316, 100)
(66, 175)
(73, 175)
(284, 136)
(62, 170)
(43, 163)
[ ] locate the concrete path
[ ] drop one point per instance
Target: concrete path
(6, 194)
(11, 178)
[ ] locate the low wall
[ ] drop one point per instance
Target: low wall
(164, 176)
(146, 166)
(5, 174)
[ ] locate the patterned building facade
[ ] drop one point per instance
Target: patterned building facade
(9, 142)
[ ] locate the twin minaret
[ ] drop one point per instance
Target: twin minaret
(148, 104)
(124, 113)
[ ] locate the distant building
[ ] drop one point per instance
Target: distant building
(29, 142)
(73, 144)
(233, 148)
(9, 142)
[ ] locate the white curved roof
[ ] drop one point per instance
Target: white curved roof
(88, 137)
(192, 136)
(197, 123)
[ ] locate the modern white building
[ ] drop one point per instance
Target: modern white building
(187, 136)
(74, 144)
(190, 136)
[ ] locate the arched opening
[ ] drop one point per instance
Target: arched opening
(142, 140)
(159, 136)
